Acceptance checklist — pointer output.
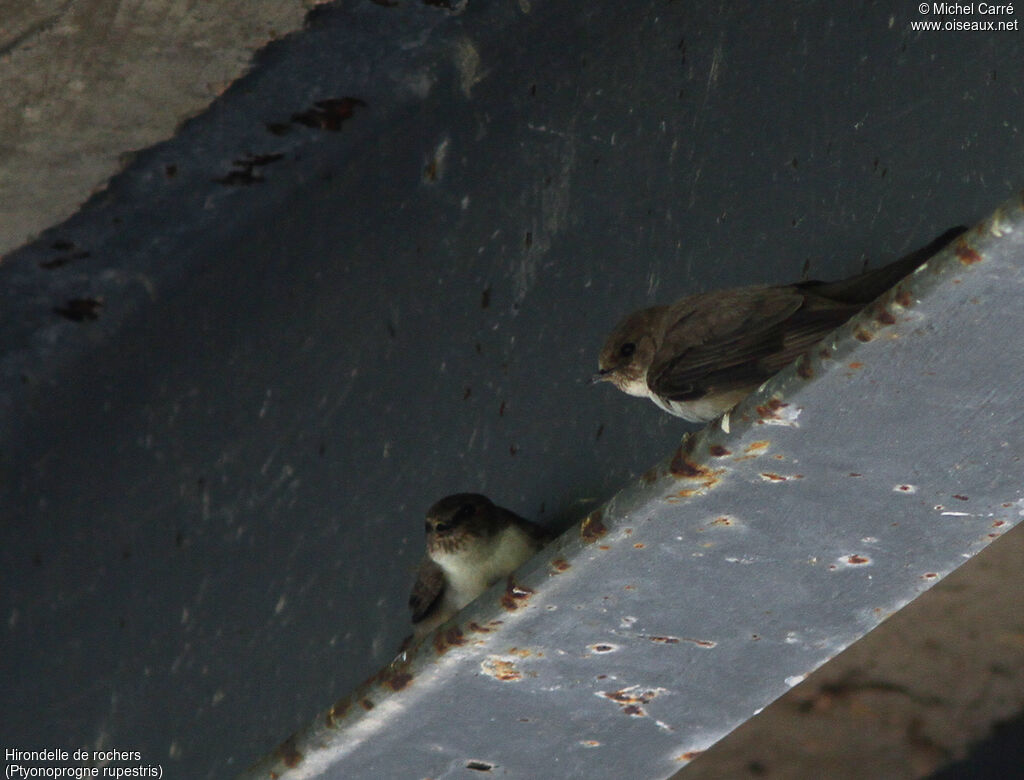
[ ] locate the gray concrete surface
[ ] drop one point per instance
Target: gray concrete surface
(85, 83)
(804, 138)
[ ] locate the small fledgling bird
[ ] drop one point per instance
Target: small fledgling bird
(471, 544)
(700, 356)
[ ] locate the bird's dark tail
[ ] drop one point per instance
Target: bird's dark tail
(865, 287)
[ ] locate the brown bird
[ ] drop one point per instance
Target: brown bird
(471, 544)
(700, 356)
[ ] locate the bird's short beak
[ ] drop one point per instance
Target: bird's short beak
(604, 375)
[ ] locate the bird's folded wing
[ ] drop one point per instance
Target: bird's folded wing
(427, 590)
(738, 338)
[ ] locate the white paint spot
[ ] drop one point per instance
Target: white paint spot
(795, 680)
(784, 415)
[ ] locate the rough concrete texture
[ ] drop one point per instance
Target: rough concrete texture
(84, 83)
(915, 693)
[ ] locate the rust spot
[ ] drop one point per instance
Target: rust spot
(631, 699)
(430, 171)
(998, 523)
(447, 639)
(683, 466)
(245, 169)
(500, 669)
(590, 743)
(855, 365)
(772, 477)
(689, 755)
(883, 316)
(560, 565)
(961, 498)
(756, 447)
(650, 476)
(515, 595)
(904, 298)
(592, 528)
(603, 547)
(994, 536)
(366, 704)
(862, 335)
(700, 642)
(769, 409)
(664, 640)
(476, 627)
(929, 575)
(804, 369)
(328, 114)
(854, 474)
(722, 520)
(639, 545)
(337, 712)
(718, 451)
(965, 253)
(602, 648)
(80, 309)
(288, 753)
(394, 679)
(856, 559)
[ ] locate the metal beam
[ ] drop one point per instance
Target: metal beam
(754, 553)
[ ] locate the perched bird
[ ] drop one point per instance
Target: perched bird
(700, 356)
(471, 544)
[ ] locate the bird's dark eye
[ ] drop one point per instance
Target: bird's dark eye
(627, 349)
(464, 512)
(442, 526)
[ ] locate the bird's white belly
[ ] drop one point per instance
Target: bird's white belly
(471, 572)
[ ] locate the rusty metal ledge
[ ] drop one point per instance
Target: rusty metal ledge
(767, 543)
